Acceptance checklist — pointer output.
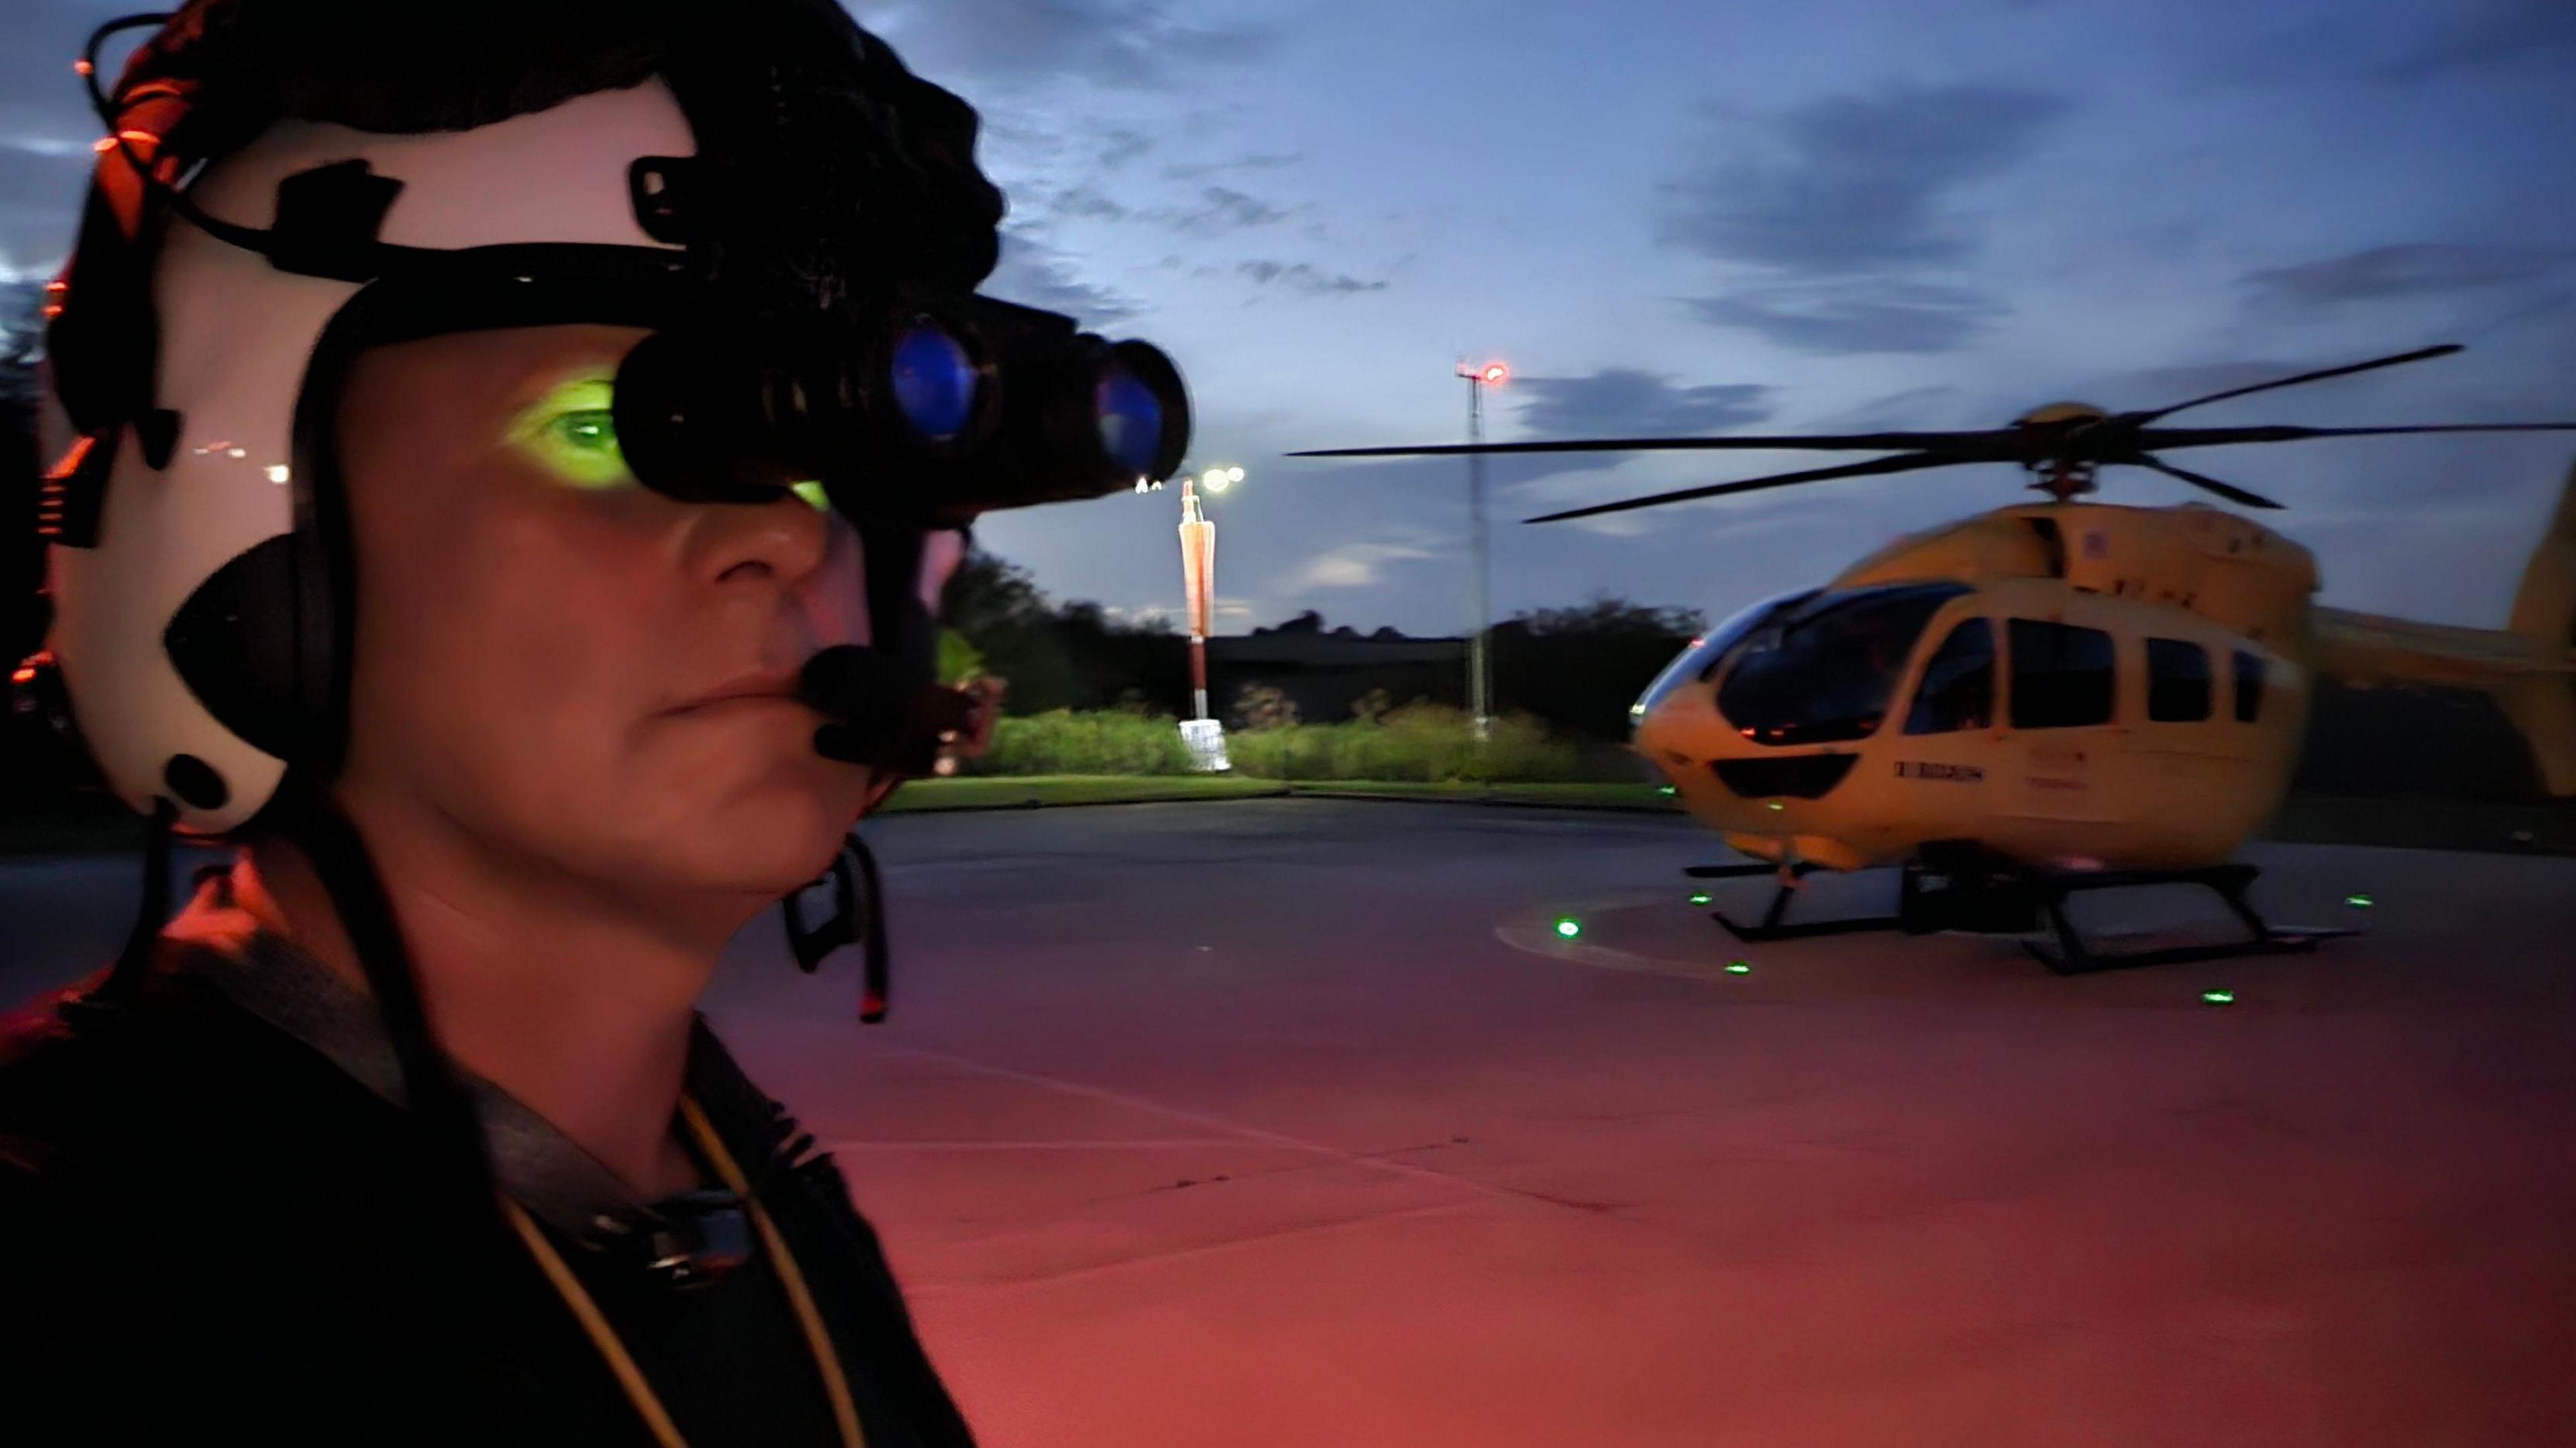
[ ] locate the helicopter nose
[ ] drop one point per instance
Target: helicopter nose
(1669, 733)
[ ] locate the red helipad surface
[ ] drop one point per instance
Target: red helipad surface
(1294, 1122)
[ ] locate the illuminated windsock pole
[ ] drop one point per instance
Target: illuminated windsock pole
(1198, 575)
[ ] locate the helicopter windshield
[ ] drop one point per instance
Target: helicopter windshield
(1700, 660)
(1821, 672)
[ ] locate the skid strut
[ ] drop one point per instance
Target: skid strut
(1963, 889)
(2073, 955)
(1774, 925)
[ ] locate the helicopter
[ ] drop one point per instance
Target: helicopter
(2052, 697)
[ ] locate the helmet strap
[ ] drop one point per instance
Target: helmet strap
(437, 1099)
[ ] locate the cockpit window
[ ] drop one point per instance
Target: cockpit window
(1700, 660)
(1958, 688)
(1822, 671)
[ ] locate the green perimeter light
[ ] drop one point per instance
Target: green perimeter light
(2359, 902)
(1568, 927)
(2219, 997)
(1700, 897)
(1666, 790)
(1738, 967)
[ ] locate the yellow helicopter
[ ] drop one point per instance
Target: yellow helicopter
(2053, 697)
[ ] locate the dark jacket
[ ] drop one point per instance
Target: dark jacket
(211, 1232)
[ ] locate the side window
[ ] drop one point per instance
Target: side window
(2062, 676)
(1958, 688)
(2177, 681)
(2249, 687)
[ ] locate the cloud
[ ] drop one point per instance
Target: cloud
(1630, 401)
(1227, 607)
(2163, 386)
(1037, 274)
(1222, 208)
(1838, 206)
(1847, 317)
(1201, 170)
(2415, 269)
(1306, 277)
(1122, 43)
(1852, 184)
(1933, 405)
(1086, 202)
(41, 185)
(2480, 34)
(1120, 145)
(1355, 565)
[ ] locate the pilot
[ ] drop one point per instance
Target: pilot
(406, 1129)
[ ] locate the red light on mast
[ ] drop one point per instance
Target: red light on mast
(1495, 374)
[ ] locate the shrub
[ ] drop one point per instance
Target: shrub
(1428, 743)
(960, 662)
(1431, 743)
(1064, 742)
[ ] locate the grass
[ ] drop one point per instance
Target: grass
(1424, 743)
(1593, 794)
(1030, 791)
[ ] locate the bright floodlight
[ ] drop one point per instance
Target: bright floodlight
(1495, 374)
(1217, 479)
(1234, 475)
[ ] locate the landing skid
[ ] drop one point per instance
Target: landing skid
(2073, 955)
(1773, 926)
(1968, 892)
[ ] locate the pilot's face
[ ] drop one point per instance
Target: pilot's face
(565, 669)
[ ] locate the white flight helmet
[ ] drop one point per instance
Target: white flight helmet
(795, 219)
(156, 625)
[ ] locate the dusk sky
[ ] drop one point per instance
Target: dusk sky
(1672, 217)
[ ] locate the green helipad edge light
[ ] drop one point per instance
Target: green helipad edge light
(2219, 997)
(1701, 898)
(1568, 926)
(2359, 902)
(1665, 789)
(1738, 967)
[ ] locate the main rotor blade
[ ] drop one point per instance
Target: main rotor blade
(2158, 439)
(1827, 442)
(1904, 463)
(2229, 491)
(2419, 355)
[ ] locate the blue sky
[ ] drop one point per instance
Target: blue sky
(1695, 217)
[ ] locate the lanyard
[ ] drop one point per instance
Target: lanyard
(604, 1337)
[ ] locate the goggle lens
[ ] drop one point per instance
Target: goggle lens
(935, 381)
(1130, 418)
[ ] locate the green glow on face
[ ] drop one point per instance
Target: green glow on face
(1739, 967)
(571, 433)
(1700, 897)
(2219, 997)
(2359, 902)
(1568, 927)
(812, 493)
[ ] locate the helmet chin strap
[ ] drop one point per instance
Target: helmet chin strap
(338, 855)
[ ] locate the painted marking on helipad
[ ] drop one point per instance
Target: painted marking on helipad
(1535, 932)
